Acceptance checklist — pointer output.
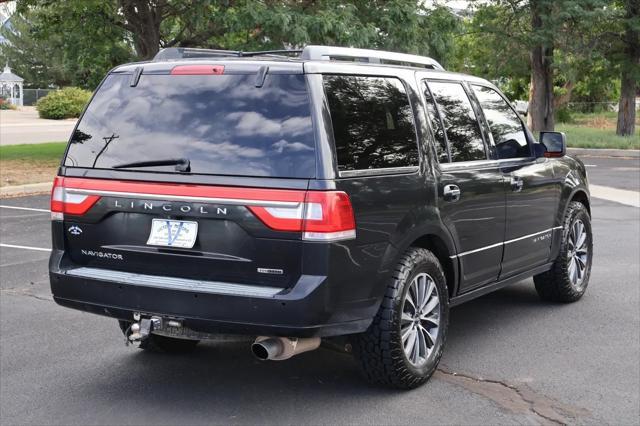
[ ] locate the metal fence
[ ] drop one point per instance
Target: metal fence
(31, 96)
(592, 106)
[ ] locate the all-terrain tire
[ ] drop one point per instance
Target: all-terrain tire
(380, 349)
(161, 344)
(556, 285)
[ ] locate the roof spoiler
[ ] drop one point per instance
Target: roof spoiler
(173, 53)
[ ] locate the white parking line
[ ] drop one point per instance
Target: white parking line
(24, 247)
(24, 208)
(622, 196)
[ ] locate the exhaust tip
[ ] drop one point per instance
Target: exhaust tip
(260, 351)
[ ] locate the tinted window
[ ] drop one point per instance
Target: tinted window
(506, 127)
(461, 125)
(222, 123)
(372, 122)
(436, 125)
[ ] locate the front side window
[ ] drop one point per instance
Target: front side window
(372, 122)
(506, 127)
(460, 122)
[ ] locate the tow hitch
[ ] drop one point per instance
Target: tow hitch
(144, 325)
(141, 328)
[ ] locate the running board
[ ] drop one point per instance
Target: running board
(499, 284)
(173, 283)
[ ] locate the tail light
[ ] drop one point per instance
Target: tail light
(319, 215)
(323, 216)
(62, 202)
(197, 70)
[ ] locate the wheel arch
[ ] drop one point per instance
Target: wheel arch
(436, 244)
(580, 196)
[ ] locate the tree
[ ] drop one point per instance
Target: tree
(66, 46)
(541, 50)
(541, 28)
(39, 62)
(145, 26)
(630, 69)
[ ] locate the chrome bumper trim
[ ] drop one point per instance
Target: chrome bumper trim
(172, 283)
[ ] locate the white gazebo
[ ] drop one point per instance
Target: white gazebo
(11, 86)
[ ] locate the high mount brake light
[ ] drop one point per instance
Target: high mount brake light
(319, 215)
(198, 70)
(62, 202)
(323, 216)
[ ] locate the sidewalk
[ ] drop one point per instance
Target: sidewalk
(604, 152)
(23, 126)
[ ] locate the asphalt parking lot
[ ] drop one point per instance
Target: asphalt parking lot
(510, 358)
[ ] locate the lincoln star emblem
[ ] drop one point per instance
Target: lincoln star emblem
(75, 230)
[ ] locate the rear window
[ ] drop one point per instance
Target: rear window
(372, 121)
(222, 124)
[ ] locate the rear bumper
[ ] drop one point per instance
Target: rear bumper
(308, 309)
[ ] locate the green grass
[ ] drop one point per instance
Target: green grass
(39, 151)
(579, 136)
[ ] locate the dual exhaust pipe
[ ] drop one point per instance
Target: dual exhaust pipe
(281, 348)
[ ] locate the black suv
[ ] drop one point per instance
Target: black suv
(340, 194)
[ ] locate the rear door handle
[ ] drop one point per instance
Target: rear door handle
(516, 183)
(451, 193)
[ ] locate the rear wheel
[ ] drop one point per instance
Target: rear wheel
(163, 344)
(567, 280)
(403, 345)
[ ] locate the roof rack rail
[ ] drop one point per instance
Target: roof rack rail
(195, 53)
(322, 53)
(272, 52)
(368, 56)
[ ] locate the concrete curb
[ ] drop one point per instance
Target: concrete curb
(20, 190)
(603, 152)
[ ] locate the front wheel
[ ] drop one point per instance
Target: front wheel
(404, 344)
(568, 279)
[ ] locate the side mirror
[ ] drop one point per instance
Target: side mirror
(555, 144)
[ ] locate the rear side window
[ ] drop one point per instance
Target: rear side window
(460, 122)
(436, 125)
(506, 127)
(372, 121)
(222, 124)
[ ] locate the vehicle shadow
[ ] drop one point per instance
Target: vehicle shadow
(224, 379)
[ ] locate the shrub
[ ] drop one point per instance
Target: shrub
(563, 115)
(4, 104)
(65, 103)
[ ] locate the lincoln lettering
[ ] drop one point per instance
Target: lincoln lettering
(168, 207)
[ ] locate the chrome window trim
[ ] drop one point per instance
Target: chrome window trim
(503, 243)
(379, 172)
(466, 165)
(185, 198)
(174, 283)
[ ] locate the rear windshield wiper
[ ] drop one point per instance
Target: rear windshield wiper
(182, 164)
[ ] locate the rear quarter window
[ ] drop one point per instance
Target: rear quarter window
(222, 124)
(372, 119)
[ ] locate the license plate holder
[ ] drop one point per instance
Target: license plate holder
(173, 233)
